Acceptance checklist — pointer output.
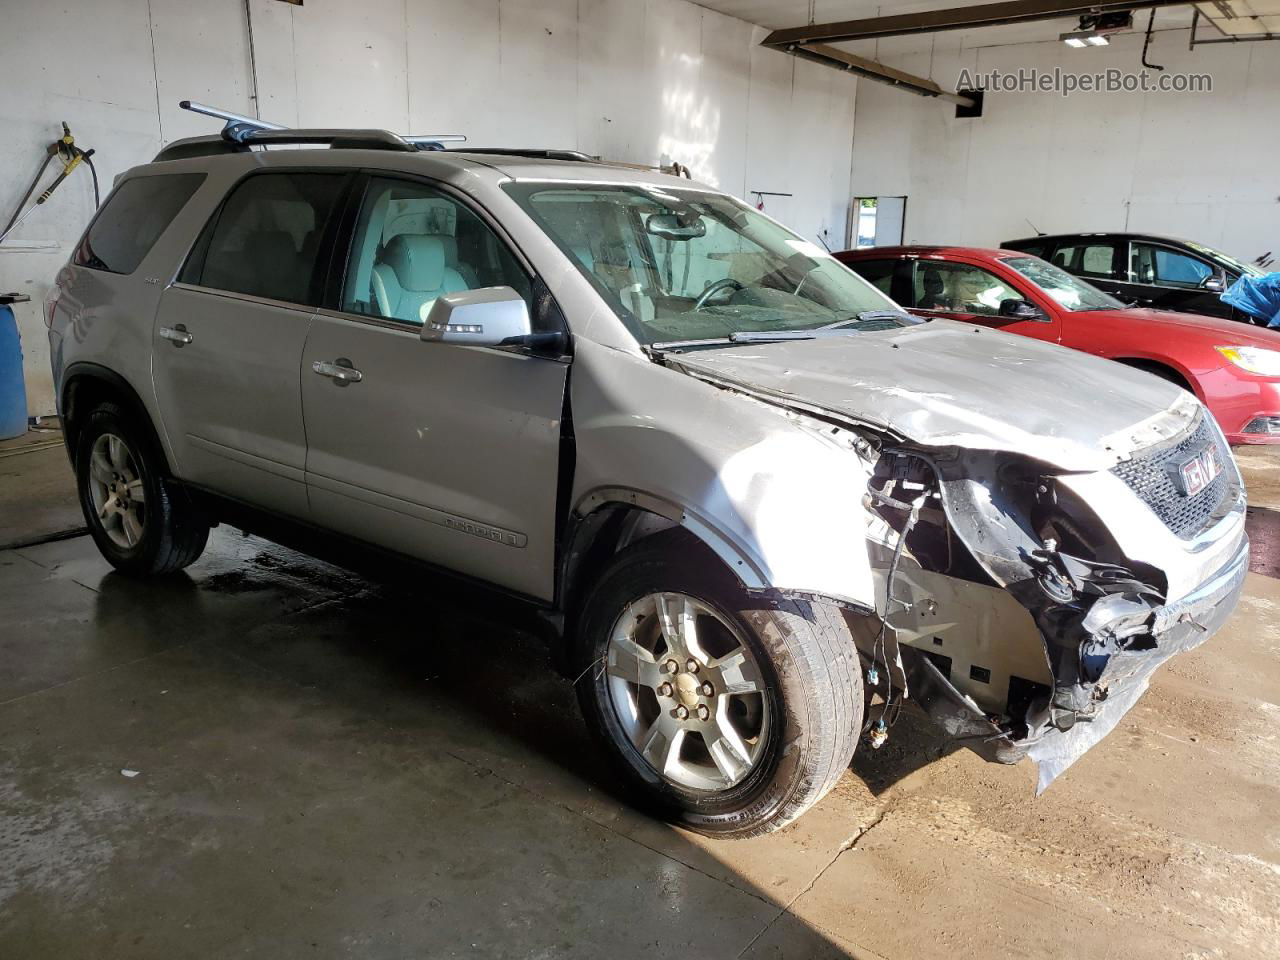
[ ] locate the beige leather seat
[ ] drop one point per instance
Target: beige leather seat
(410, 274)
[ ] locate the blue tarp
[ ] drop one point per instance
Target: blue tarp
(1259, 296)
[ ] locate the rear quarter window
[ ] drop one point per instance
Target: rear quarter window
(136, 213)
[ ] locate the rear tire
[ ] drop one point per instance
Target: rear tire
(142, 522)
(775, 749)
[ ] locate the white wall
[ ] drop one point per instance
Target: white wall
(646, 81)
(1203, 166)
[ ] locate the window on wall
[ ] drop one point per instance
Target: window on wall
(265, 239)
(877, 221)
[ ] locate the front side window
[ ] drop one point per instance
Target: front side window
(1090, 260)
(414, 243)
(680, 265)
(132, 220)
(1164, 267)
(959, 288)
(1069, 292)
(265, 239)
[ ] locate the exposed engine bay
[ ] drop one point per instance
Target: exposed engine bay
(1009, 612)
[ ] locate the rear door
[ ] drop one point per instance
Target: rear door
(973, 293)
(1102, 262)
(442, 452)
(228, 339)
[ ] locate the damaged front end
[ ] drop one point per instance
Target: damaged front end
(1024, 608)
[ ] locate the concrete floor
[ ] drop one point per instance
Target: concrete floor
(271, 757)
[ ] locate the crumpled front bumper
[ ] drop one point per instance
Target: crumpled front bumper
(1175, 627)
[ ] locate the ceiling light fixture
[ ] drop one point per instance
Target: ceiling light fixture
(1094, 31)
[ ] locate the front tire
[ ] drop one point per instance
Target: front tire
(725, 714)
(143, 523)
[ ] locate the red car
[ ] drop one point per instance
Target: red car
(1233, 368)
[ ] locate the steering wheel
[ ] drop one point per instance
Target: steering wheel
(728, 283)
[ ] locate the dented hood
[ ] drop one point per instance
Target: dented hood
(943, 383)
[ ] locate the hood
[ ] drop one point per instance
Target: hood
(1221, 331)
(944, 383)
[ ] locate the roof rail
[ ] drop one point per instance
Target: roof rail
(536, 154)
(338, 139)
(240, 132)
(209, 146)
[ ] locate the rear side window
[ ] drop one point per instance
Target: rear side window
(135, 215)
(879, 273)
(1090, 260)
(265, 239)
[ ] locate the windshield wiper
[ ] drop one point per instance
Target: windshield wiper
(765, 336)
(870, 316)
(839, 328)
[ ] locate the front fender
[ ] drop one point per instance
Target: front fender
(777, 495)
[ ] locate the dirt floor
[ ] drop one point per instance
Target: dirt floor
(271, 757)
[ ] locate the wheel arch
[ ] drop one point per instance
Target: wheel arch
(84, 386)
(1165, 368)
(605, 521)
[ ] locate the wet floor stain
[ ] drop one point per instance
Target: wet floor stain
(1264, 540)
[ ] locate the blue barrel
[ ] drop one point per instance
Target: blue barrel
(13, 389)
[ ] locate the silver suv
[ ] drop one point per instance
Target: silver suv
(761, 505)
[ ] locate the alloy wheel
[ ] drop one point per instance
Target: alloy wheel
(687, 691)
(117, 492)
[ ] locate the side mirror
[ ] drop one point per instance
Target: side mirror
(488, 317)
(1022, 310)
(670, 226)
(1212, 284)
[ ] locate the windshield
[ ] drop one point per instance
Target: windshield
(1230, 261)
(681, 265)
(1069, 291)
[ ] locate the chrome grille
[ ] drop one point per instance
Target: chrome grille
(1151, 472)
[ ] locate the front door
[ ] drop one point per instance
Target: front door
(446, 453)
(228, 341)
(972, 294)
(1163, 278)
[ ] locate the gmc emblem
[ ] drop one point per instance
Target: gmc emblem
(1192, 476)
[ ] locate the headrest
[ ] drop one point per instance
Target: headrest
(418, 261)
(425, 215)
(933, 282)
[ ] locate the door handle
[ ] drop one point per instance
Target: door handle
(177, 335)
(339, 370)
